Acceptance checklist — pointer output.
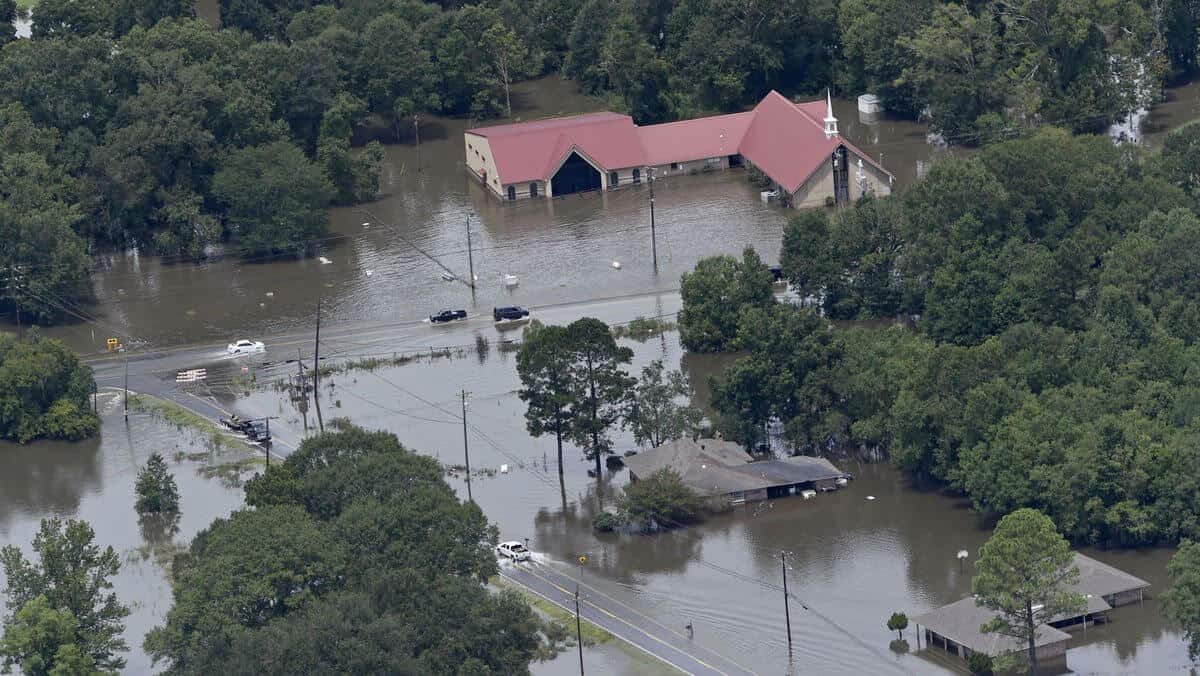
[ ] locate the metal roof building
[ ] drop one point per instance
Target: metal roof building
(796, 145)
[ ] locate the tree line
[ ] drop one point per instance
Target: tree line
(134, 124)
(353, 556)
(1051, 364)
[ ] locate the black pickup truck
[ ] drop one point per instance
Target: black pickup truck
(509, 313)
(447, 316)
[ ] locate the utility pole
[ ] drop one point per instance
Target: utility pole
(126, 385)
(470, 256)
(466, 451)
(417, 131)
(653, 236)
(95, 397)
(787, 613)
(317, 368)
(578, 630)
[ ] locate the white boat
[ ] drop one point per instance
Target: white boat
(511, 280)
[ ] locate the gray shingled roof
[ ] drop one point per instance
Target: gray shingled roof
(714, 467)
(960, 622)
(1101, 579)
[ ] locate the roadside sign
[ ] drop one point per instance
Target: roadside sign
(191, 375)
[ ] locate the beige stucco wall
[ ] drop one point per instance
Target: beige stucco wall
(480, 160)
(523, 191)
(691, 167)
(820, 184)
(624, 178)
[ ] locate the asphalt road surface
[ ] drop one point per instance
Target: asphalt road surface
(671, 645)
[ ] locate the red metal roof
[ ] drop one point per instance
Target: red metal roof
(785, 140)
(698, 139)
(528, 151)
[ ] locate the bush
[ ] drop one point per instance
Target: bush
(979, 664)
(662, 499)
(606, 522)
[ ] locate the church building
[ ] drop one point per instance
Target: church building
(797, 146)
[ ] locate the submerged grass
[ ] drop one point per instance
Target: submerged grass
(643, 328)
(180, 417)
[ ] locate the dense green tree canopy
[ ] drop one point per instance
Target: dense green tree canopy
(357, 558)
(713, 295)
(1053, 346)
(45, 391)
(66, 593)
(1181, 600)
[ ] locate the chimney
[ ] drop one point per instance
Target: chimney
(831, 129)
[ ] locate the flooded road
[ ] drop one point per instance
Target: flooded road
(852, 561)
(94, 480)
(561, 250)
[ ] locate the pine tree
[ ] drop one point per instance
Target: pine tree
(156, 488)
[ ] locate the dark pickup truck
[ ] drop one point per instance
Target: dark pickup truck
(258, 431)
(509, 313)
(447, 316)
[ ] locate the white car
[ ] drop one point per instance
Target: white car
(513, 550)
(244, 346)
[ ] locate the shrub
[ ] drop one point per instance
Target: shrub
(662, 499)
(606, 522)
(979, 664)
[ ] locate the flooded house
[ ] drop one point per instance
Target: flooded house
(955, 627)
(722, 470)
(796, 146)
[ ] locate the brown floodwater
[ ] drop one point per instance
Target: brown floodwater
(853, 561)
(94, 480)
(386, 257)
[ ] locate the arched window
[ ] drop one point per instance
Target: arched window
(533, 189)
(637, 175)
(614, 179)
(512, 192)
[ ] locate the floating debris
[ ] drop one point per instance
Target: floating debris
(370, 272)
(270, 294)
(448, 277)
(616, 265)
(511, 280)
(870, 497)
(324, 260)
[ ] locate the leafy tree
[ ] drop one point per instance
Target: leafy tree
(544, 365)
(898, 622)
(979, 664)
(41, 641)
(601, 387)
(273, 198)
(262, 18)
(156, 489)
(73, 18)
(44, 391)
(1179, 161)
(1024, 573)
(874, 59)
(71, 576)
(507, 58)
(8, 14)
(655, 415)
(1181, 600)
(713, 295)
(659, 500)
(240, 573)
(406, 622)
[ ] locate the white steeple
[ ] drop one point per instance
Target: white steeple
(831, 129)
